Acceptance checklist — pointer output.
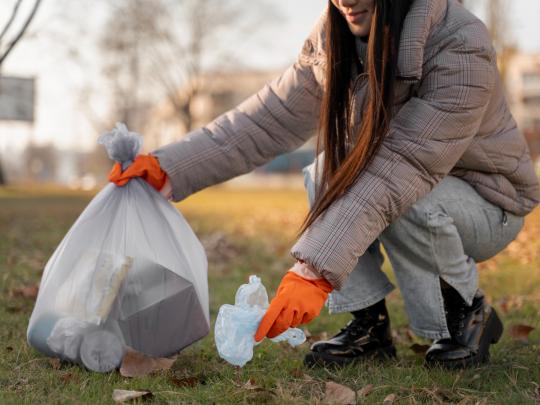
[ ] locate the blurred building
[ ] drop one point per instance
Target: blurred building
(523, 86)
(219, 93)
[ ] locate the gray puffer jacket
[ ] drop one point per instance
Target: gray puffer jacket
(451, 118)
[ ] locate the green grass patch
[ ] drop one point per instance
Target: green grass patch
(250, 232)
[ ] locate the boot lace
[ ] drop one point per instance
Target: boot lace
(455, 319)
(360, 326)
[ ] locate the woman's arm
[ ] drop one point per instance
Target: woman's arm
(278, 119)
(426, 138)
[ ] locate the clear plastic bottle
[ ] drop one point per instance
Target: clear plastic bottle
(236, 324)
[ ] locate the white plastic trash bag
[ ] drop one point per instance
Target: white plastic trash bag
(129, 273)
(237, 324)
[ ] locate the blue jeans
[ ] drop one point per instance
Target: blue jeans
(442, 236)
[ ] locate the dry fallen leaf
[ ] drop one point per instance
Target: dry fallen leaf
(520, 332)
(410, 334)
(419, 349)
(534, 392)
(318, 337)
(135, 364)
(404, 334)
(55, 364)
(511, 303)
(251, 385)
(185, 382)
(297, 373)
(365, 391)
(339, 394)
(27, 291)
(312, 338)
(125, 395)
(390, 399)
(68, 377)
(13, 309)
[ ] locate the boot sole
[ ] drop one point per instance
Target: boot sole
(492, 334)
(315, 359)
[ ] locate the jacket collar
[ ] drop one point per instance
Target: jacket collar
(422, 17)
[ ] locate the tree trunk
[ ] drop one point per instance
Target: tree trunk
(2, 177)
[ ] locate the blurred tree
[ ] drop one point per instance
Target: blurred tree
(131, 30)
(6, 49)
(499, 28)
(158, 49)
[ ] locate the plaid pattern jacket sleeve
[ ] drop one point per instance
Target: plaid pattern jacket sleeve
(427, 136)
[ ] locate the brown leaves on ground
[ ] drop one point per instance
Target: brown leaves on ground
(520, 332)
(297, 373)
(419, 349)
(339, 394)
(390, 399)
(68, 378)
(55, 363)
(511, 303)
(365, 391)
(126, 395)
(534, 392)
(26, 291)
(251, 385)
(403, 335)
(185, 382)
(135, 364)
(315, 338)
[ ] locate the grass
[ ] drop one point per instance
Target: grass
(250, 232)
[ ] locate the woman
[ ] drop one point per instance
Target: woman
(420, 153)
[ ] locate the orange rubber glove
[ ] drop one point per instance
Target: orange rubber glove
(297, 301)
(145, 166)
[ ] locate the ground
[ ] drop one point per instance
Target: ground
(250, 232)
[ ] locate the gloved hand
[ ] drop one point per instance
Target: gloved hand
(145, 166)
(297, 301)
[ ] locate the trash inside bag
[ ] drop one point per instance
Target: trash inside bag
(129, 273)
(237, 324)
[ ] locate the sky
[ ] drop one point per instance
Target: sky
(60, 81)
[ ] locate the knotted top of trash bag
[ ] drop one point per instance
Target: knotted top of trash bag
(122, 146)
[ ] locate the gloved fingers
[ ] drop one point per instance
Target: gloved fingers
(121, 178)
(136, 169)
(156, 180)
(309, 316)
(147, 167)
(297, 319)
(281, 324)
(115, 173)
(268, 320)
(153, 175)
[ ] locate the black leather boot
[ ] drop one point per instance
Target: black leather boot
(472, 329)
(367, 336)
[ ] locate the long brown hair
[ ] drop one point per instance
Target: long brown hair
(342, 167)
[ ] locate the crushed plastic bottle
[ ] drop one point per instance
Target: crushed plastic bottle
(236, 324)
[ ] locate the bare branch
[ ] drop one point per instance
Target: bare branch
(11, 19)
(21, 32)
